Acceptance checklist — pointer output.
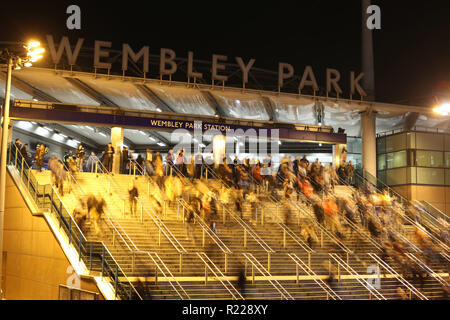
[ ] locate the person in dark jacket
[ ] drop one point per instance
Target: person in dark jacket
(125, 158)
(108, 157)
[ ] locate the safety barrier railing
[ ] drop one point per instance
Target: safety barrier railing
(145, 207)
(285, 229)
(434, 214)
(209, 264)
(266, 274)
(205, 229)
(246, 228)
(165, 271)
(94, 254)
(428, 270)
(330, 293)
(362, 232)
(365, 180)
(342, 264)
(133, 249)
(409, 286)
(313, 220)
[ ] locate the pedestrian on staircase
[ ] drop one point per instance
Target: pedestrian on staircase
(133, 194)
(40, 152)
(108, 157)
(80, 153)
(190, 221)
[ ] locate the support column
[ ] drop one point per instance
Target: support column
(369, 146)
(219, 143)
(339, 154)
(116, 141)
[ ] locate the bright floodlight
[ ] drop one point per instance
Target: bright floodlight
(34, 52)
(33, 44)
(443, 110)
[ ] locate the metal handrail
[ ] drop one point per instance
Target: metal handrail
(358, 278)
(299, 263)
(207, 263)
(108, 217)
(398, 234)
(397, 276)
(157, 257)
(70, 215)
(318, 225)
(161, 226)
(427, 269)
(241, 222)
(136, 249)
(205, 228)
(282, 225)
(266, 274)
(411, 221)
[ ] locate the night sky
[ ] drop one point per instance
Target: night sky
(412, 49)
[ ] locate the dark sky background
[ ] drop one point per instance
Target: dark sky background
(412, 50)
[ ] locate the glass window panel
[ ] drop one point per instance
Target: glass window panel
(447, 177)
(411, 175)
(411, 140)
(430, 176)
(356, 159)
(396, 176)
(429, 158)
(396, 159)
(381, 159)
(354, 145)
(447, 142)
(381, 145)
(429, 141)
(381, 175)
(447, 159)
(396, 142)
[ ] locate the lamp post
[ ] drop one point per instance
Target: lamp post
(13, 61)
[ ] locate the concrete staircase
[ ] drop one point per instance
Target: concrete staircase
(130, 236)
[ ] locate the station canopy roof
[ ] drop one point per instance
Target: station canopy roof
(154, 95)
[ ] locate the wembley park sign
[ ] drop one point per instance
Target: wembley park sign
(168, 66)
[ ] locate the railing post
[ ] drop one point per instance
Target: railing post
(309, 259)
(253, 273)
(116, 278)
(245, 238)
(96, 166)
(206, 174)
(21, 169)
(226, 262)
(103, 261)
(284, 238)
(296, 272)
(268, 262)
(339, 272)
(90, 255)
(347, 257)
(15, 159)
(70, 230)
(159, 237)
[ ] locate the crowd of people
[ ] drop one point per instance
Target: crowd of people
(296, 184)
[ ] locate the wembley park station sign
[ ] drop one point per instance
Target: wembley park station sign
(168, 66)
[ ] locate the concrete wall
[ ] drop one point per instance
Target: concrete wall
(438, 196)
(35, 264)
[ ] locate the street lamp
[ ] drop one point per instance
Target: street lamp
(16, 58)
(443, 109)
